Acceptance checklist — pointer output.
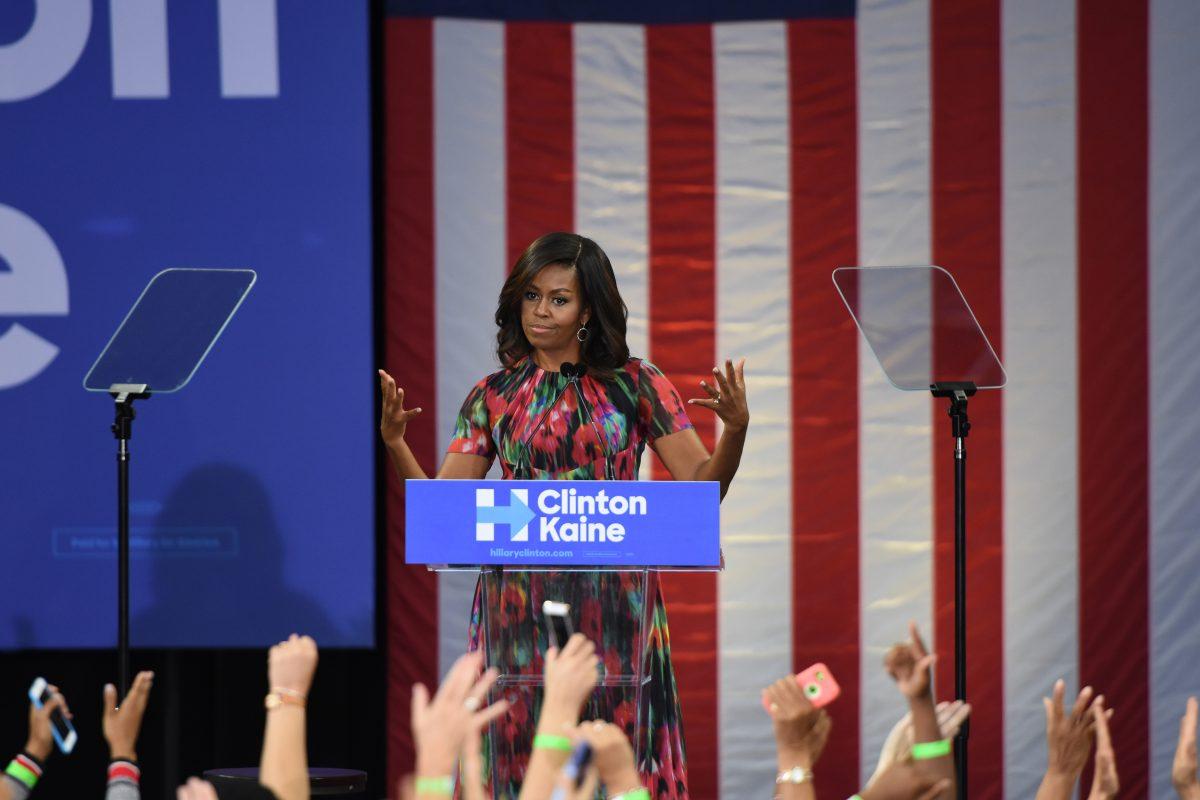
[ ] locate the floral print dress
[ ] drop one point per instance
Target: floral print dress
(628, 410)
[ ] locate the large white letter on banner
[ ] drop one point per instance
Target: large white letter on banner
(36, 283)
(47, 51)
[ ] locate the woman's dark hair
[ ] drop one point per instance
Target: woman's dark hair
(605, 349)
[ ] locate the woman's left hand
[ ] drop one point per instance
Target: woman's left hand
(728, 397)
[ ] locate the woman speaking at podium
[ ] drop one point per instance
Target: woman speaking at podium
(571, 403)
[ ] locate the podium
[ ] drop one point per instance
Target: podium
(598, 546)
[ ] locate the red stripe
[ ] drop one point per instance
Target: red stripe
(29, 764)
(408, 354)
(966, 208)
(1113, 371)
(539, 131)
(123, 770)
(824, 230)
(682, 166)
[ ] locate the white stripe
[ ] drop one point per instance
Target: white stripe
(1041, 524)
(1174, 374)
(611, 173)
(753, 321)
(469, 203)
(895, 466)
(611, 187)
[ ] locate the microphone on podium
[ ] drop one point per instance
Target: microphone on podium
(573, 372)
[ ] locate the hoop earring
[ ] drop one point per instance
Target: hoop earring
(582, 334)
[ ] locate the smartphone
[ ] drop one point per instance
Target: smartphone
(575, 770)
(818, 684)
(557, 617)
(61, 727)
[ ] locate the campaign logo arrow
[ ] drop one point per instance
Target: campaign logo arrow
(516, 515)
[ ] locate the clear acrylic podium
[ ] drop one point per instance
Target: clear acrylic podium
(614, 608)
(527, 542)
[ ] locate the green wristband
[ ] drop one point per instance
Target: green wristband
(923, 751)
(547, 741)
(641, 793)
(855, 797)
(22, 773)
(443, 784)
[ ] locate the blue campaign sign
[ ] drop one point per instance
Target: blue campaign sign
(144, 135)
(564, 523)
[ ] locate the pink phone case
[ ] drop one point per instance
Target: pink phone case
(818, 684)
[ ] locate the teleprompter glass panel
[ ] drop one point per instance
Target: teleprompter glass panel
(919, 326)
(170, 329)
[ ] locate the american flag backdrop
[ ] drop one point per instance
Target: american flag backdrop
(728, 156)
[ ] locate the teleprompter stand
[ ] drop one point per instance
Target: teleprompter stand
(157, 348)
(926, 338)
(122, 428)
(957, 392)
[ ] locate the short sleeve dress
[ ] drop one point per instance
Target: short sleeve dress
(629, 409)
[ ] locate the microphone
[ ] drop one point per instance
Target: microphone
(573, 372)
(525, 470)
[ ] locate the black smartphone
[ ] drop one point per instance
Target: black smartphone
(557, 617)
(576, 768)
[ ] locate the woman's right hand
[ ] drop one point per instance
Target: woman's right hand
(394, 418)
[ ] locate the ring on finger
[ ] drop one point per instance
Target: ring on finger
(471, 704)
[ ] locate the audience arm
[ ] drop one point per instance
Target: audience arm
(284, 765)
(570, 677)
(1183, 770)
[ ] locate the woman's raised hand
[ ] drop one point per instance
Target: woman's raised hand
(394, 418)
(728, 397)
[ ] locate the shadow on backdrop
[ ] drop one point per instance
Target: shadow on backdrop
(217, 569)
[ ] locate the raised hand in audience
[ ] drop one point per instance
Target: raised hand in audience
(284, 765)
(898, 744)
(123, 722)
(1183, 770)
(470, 765)
(565, 788)
(196, 789)
(911, 665)
(570, 676)
(801, 732)
(1104, 774)
(41, 741)
(612, 756)
(1068, 742)
(442, 725)
(906, 780)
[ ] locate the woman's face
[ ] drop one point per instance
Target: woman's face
(552, 309)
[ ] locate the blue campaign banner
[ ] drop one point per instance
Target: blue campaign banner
(563, 523)
(218, 133)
